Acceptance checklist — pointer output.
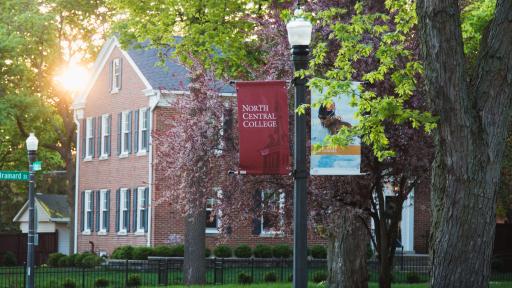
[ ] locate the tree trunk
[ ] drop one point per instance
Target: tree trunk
(347, 251)
(194, 268)
(469, 140)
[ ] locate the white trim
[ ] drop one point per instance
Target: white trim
(281, 212)
(122, 206)
(140, 202)
(125, 122)
(89, 135)
(76, 115)
(113, 79)
(140, 139)
(102, 208)
(87, 208)
(154, 95)
(103, 143)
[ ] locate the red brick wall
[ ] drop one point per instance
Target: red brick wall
(114, 172)
(422, 216)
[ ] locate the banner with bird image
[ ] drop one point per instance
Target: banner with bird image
(327, 119)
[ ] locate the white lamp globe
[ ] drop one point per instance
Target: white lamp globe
(32, 142)
(299, 29)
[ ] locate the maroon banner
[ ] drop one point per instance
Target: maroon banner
(263, 127)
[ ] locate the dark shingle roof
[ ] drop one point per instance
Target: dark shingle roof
(55, 205)
(169, 76)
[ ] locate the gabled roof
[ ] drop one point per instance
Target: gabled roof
(55, 206)
(170, 76)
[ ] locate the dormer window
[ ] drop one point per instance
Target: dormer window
(116, 76)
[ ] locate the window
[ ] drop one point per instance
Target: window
(88, 208)
(143, 137)
(125, 132)
(104, 199)
(212, 216)
(272, 216)
(116, 75)
(124, 207)
(105, 136)
(142, 210)
(89, 136)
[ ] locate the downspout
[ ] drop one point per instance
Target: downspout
(150, 163)
(77, 181)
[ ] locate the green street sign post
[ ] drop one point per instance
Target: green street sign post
(14, 175)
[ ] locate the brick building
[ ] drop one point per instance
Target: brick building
(126, 99)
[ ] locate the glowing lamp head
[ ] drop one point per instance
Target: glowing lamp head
(32, 142)
(299, 29)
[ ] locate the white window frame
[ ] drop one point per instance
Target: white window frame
(122, 208)
(116, 75)
(140, 209)
(105, 133)
(103, 209)
(213, 202)
(273, 232)
(87, 210)
(142, 127)
(89, 140)
(124, 130)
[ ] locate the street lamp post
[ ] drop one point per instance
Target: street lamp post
(32, 150)
(299, 36)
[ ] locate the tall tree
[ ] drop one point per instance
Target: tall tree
(473, 104)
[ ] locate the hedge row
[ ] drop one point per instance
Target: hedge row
(221, 251)
(85, 260)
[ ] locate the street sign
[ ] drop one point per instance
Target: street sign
(36, 166)
(14, 175)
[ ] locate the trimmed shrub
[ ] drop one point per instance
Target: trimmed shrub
(412, 277)
(90, 261)
(290, 278)
(319, 252)
(262, 251)
(123, 252)
(101, 282)
(243, 251)
(162, 251)
(69, 283)
(64, 261)
(244, 278)
(207, 252)
(78, 259)
(223, 251)
(141, 253)
(178, 250)
(498, 264)
(53, 259)
(72, 259)
(319, 276)
(134, 280)
(282, 251)
(270, 277)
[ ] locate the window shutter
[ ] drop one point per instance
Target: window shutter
(98, 208)
(227, 129)
(146, 209)
(109, 129)
(118, 207)
(93, 136)
(128, 196)
(84, 128)
(107, 219)
(256, 221)
(119, 132)
(148, 128)
(120, 73)
(130, 132)
(100, 139)
(135, 198)
(91, 214)
(82, 227)
(136, 132)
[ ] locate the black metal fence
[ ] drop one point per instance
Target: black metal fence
(168, 272)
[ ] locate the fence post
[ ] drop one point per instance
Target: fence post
(126, 273)
(24, 274)
(252, 269)
(282, 269)
(83, 277)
